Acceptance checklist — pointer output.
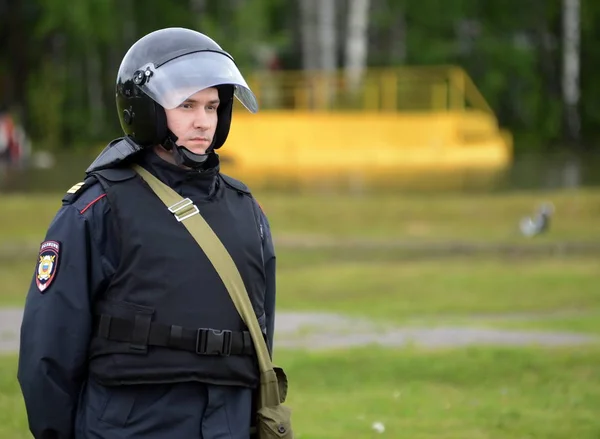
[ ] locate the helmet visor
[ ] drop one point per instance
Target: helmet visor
(175, 81)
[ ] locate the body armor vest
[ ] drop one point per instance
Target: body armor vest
(166, 315)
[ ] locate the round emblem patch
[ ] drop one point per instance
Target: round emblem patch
(47, 265)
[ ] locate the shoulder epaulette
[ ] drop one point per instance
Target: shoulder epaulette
(235, 184)
(77, 189)
(113, 175)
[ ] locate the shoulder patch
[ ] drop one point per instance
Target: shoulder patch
(47, 265)
(235, 184)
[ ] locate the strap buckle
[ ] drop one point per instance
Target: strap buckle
(213, 342)
(184, 209)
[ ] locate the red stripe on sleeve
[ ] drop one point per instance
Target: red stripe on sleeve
(91, 203)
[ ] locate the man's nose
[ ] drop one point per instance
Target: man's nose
(201, 119)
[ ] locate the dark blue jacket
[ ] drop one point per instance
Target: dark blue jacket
(57, 323)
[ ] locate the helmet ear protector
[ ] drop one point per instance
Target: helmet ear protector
(142, 119)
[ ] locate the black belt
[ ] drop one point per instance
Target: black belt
(141, 333)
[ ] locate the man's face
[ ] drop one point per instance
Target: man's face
(194, 121)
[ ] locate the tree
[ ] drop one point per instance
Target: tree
(570, 74)
(356, 42)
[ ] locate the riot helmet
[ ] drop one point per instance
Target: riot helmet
(164, 68)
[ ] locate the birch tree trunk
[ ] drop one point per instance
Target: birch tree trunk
(327, 35)
(327, 53)
(308, 30)
(356, 42)
(571, 65)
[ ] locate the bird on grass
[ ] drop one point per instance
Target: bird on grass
(538, 223)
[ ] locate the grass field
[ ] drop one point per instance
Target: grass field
(486, 393)
(556, 292)
(466, 393)
(419, 218)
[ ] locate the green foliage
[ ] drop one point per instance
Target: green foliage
(512, 49)
(47, 92)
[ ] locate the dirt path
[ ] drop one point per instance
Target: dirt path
(330, 331)
(10, 322)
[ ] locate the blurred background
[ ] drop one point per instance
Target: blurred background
(431, 172)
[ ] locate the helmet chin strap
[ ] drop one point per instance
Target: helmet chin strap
(184, 156)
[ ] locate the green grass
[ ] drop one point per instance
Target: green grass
(417, 218)
(25, 218)
(433, 218)
(16, 276)
(13, 422)
(443, 289)
(483, 393)
(467, 393)
(553, 293)
(400, 290)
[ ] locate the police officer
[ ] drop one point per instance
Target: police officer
(128, 331)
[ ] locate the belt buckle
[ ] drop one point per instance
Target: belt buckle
(213, 342)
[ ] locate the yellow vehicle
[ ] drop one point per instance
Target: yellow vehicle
(400, 123)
